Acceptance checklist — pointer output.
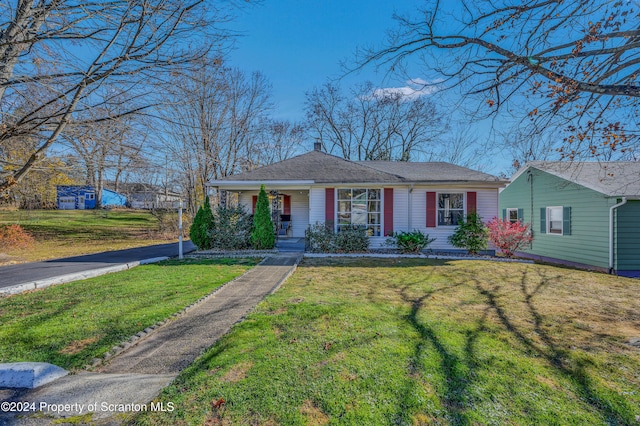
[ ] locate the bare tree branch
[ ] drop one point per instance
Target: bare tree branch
(568, 66)
(74, 54)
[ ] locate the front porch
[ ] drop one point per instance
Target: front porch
(290, 211)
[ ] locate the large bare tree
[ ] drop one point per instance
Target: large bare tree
(106, 143)
(373, 124)
(278, 141)
(75, 52)
(568, 68)
(213, 118)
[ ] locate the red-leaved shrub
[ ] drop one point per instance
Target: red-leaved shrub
(509, 237)
(13, 236)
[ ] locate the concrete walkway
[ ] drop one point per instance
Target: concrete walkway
(136, 376)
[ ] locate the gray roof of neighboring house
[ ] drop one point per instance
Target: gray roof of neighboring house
(610, 178)
(321, 168)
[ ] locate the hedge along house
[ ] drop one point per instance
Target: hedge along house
(382, 196)
(583, 214)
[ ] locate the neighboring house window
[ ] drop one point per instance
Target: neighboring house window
(554, 220)
(89, 196)
(359, 207)
(512, 215)
(450, 209)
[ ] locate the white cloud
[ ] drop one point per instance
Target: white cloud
(415, 88)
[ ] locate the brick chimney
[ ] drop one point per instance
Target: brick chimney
(317, 146)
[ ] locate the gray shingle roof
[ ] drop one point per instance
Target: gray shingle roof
(430, 172)
(317, 166)
(325, 168)
(610, 178)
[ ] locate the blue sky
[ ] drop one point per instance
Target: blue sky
(298, 45)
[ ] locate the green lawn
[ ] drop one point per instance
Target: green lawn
(68, 325)
(416, 342)
(62, 233)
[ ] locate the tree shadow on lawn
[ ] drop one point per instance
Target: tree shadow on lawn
(456, 381)
(458, 370)
(557, 357)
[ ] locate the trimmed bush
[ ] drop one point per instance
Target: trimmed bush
(320, 238)
(202, 223)
(509, 237)
(410, 242)
(14, 237)
(263, 236)
(351, 240)
(231, 228)
(471, 234)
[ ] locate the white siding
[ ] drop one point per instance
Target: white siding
(401, 209)
(316, 205)
(246, 199)
(299, 212)
(487, 205)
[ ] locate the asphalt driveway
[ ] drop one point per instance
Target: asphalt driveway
(27, 272)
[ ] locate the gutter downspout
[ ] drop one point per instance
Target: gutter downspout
(611, 209)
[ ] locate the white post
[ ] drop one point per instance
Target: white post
(180, 255)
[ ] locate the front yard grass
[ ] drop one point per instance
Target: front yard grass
(63, 233)
(70, 324)
(421, 342)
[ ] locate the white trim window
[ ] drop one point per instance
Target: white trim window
(512, 215)
(450, 209)
(360, 207)
(554, 220)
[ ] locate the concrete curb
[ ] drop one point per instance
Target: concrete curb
(29, 375)
(63, 279)
(414, 256)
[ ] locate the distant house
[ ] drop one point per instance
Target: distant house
(381, 196)
(81, 197)
(584, 214)
(146, 196)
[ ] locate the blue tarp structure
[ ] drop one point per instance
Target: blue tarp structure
(111, 198)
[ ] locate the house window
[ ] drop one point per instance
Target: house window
(90, 196)
(450, 209)
(359, 207)
(512, 215)
(554, 220)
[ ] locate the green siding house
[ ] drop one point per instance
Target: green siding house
(584, 214)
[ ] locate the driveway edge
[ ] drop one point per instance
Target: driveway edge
(63, 279)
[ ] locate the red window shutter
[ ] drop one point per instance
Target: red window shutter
(254, 201)
(388, 211)
(329, 205)
(286, 201)
(431, 210)
(472, 202)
